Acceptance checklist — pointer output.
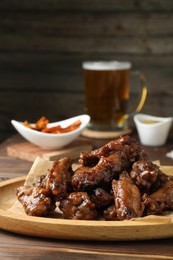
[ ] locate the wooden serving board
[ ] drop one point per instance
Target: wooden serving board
(24, 150)
(14, 220)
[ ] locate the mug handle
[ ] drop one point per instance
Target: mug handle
(142, 99)
(143, 94)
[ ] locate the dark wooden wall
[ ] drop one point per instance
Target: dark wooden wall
(43, 43)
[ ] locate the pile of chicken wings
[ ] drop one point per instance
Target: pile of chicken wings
(114, 182)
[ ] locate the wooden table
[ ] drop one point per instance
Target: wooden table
(15, 246)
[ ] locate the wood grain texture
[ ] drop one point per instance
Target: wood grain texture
(17, 246)
(29, 152)
(43, 44)
(123, 5)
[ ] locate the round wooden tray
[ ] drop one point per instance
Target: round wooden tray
(151, 227)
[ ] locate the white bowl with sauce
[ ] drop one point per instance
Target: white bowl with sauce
(49, 141)
(152, 130)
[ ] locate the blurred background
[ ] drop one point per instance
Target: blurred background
(43, 43)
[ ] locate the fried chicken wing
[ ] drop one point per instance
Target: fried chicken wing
(127, 146)
(101, 197)
(144, 173)
(36, 201)
(160, 200)
(77, 205)
(162, 178)
(103, 164)
(127, 198)
(110, 213)
(57, 181)
(39, 198)
(87, 178)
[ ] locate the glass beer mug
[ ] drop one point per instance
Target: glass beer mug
(107, 94)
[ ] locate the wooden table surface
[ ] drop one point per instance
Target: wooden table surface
(16, 246)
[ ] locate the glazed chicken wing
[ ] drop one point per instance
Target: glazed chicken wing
(127, 198)
(160, 200)
(77, 205)
(101, 197)
(35, 200)
(39, 198)
(87, 178)
(110, 213)
(127, 146)
(162, 178)
(57, 181)
(144, 173)
(103, 164)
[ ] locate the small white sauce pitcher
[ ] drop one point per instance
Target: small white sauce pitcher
(152, 130)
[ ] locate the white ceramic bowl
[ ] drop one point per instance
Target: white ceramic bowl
(152, 130)
(49, 141)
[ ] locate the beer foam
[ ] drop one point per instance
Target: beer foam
(106, 65)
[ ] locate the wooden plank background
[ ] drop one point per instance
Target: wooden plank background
(43, 43)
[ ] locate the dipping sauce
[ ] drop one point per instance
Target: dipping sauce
(149, 121)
